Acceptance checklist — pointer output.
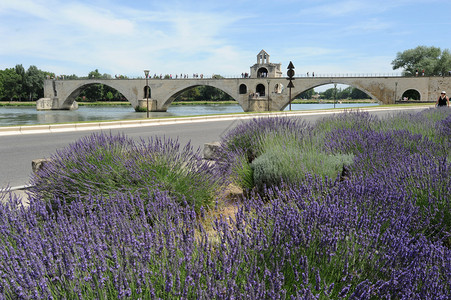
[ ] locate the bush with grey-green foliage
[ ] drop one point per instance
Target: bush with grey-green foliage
(290, 164)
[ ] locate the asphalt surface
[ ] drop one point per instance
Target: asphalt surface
(18, 150)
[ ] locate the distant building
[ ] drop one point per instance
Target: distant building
(263, 68)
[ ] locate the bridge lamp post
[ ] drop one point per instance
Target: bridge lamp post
(268, 93)
(146, 72)
(335, 93)
(290, 74)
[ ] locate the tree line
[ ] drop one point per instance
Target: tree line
(19, 84)
(202, 93)
(332, 93)
(98, 92)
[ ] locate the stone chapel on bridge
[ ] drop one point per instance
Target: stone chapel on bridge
(263, 68)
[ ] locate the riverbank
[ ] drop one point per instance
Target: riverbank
(97, 103)
(188, 103)
(110, 124)
(206, 102)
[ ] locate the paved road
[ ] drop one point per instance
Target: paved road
(17, 151)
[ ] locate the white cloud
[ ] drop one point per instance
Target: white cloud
(95, 19)
(27, 7)
(311, 51)
(208, 37)
(338, 8)
(367, 26)
(117, 39)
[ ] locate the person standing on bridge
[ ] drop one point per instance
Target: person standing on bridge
(443, 100)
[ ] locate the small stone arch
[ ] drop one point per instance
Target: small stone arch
(260, 89)
(411, 94)
(242, 89)
(262, 72)
(147, 92)
(278, 88)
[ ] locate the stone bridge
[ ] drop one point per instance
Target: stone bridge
(264, 89)
(253, 94)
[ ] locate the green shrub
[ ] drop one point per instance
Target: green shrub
(289, 164)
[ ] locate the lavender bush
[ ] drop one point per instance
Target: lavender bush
(104, 164)
(352, 242)
(409, 161)
(380, 234)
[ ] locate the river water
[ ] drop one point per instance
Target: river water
(28, 115)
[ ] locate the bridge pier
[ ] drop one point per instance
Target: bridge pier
(153, 105)
(258, 104)
(53, 104)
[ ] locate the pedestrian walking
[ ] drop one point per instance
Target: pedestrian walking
(443, 100)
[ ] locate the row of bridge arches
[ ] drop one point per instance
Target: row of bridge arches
(260, 88)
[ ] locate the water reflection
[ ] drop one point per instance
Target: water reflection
(28, 115)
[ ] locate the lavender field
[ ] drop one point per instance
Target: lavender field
(352, 207)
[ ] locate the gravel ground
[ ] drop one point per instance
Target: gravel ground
(21, 193)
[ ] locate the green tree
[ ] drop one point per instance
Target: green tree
(328, 94)
(430, 59)
(1, 85)
(21, 88)
(94, 74)
(34, 83)
(444, 64)
(71, 77)
(94, 91)
(204, 93)
(99, 92)
(308, 94)
(109, 96)
(189, 95)
(10, 84)
(358, 94)
(212, 94)
(345, 93)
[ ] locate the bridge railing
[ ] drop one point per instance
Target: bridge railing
(350, 75)
(217, 76)
(284, 76)
(297, 76)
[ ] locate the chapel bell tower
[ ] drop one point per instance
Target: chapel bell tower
(263, 68)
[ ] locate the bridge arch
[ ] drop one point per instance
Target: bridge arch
(278, 88)
(147, 92)
(243, 89)
(183, 89)
(411, 94)
(72, 95)
(260, 89)
(262, 72)
(363, 89)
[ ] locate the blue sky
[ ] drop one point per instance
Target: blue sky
(217, 37)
